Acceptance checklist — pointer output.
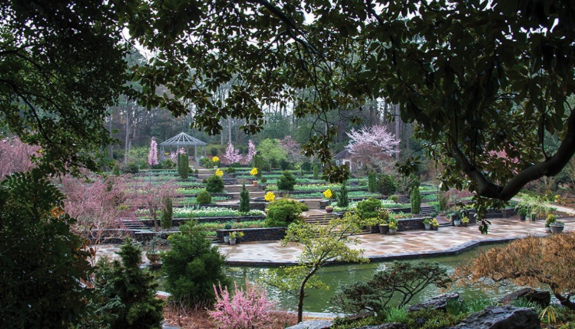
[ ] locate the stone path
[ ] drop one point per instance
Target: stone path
(403, 245)
(378, 247)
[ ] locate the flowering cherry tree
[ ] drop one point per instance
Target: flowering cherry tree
(174, 155)
(153, 155)
(232, 155)
(15, 156)
(373, 147)
(251, 152)
(292, 148)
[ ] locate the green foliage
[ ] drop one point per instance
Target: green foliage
(371, 182)
(415, 199)
(215, 184)
(125, 294)
(315, 172)
(41, 260)
(167, 213)
(386, 184)
(283, 212)
(116, 170)
(368, 208)
(322, 244)
(443, 200)
(131, 168)
(401, 280)
(206, 162)
(396, 314)
(204, 197)
(271, 150)
(183, 165)
(342, 198)
(287, 181)
(192, 267)
(432, 319)
(244, 199)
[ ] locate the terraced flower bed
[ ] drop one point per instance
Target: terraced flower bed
(198, 212)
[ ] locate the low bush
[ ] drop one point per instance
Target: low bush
(215, 184)
(206, 162)
(386, 184)
(286, 182)
(283, 212)
(131, 168)
(368, 208)
(204, 197)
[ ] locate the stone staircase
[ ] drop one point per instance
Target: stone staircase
(133, 224)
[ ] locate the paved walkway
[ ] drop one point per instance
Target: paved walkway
(379, 247)
(403, 245)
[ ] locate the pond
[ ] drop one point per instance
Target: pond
(336, 276)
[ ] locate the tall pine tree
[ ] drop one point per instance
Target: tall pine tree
(244, 199)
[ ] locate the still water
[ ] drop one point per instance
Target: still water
(336, 276)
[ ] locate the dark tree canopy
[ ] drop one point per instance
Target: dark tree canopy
(61, 64)
(485, 82)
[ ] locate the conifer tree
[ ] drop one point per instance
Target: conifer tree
(126, 293)
(415, 199)
(342, 199)
(244, 199)
(167, 213)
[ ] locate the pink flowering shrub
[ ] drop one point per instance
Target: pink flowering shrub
(251, 152)
(232, 155)
(16, 156)
(153, 155)
(247, 309)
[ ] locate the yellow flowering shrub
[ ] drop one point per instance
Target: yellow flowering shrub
(219, 173)
(327, 194)
(216, 159)
(254, 171)
(270, 196)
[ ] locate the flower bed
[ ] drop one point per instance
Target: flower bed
(195, 212)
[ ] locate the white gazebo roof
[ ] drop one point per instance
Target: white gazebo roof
(183, 139)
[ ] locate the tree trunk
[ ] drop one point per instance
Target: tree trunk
(301, 295)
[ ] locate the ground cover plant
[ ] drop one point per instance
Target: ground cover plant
(199, 211)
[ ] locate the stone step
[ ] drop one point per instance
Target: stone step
(236, 195)
(238, 188)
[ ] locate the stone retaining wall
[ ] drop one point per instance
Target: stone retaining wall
(254, 234)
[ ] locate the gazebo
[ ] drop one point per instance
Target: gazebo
(183, 140)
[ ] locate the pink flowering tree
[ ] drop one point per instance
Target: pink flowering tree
(153, 155)
(374, 147)
(251, 152)
(292, 148)
(248, 308)
(232, 155)
(151, 196)
(15, 156)
(98, 205)
(174, 155)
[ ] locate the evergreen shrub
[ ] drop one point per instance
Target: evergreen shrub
(215, 184)
(286, 182)
(167, 213)
(283, 212)
(244, 200)
(204, 197)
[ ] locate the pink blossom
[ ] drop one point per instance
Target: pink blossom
(251, 152)
(232, 155)
(373, 147)
(292, 148)
(248, 308)
(153, 156)
(15, 156)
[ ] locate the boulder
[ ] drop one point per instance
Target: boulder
(435, 303)
(501, 317)
(313, 324)
(542, 298)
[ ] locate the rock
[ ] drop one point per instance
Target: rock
(386, 326)
(501, 317)
(435, 303)
(313, 324)
(542, 298)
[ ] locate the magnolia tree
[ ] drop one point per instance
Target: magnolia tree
(16, 156)
(153, 155)
(232, 155)
(251, 152)
(98, 206)
(292, 148)
(374, 147)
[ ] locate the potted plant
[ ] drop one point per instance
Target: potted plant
(152, 254)
(548, 221)
(254, 173)
(427, 223)
(233, 237)
(457, 222)
(522, 212)
(373, 223)
(557, 227)
(329, 209)
(465, 221)
(392, 227)
(434, 224)
(239, 236)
